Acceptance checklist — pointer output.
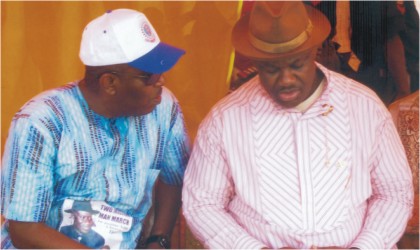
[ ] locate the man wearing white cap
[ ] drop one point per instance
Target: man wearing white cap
(105, 139)
(299, 156)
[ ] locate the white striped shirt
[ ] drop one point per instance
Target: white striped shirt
(264, 176)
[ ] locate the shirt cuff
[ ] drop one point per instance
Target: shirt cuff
(248, 242)
(368, 240)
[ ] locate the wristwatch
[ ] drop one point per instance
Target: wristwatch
(163, 240)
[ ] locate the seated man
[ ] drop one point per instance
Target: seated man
(106, 139)
(299, 156)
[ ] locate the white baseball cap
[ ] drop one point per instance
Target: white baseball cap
(126, 36)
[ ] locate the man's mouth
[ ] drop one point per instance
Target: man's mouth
(288, 95)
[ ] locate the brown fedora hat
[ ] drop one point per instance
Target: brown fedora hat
(279, 29)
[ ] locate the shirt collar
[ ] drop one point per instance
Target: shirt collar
(303, 106)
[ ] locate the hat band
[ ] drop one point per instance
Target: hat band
(281, 47)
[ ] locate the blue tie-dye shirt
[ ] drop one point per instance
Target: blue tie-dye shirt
(60, 149)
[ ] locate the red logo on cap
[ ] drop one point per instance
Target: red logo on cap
(147, 32)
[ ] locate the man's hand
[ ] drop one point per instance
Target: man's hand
(166, 208)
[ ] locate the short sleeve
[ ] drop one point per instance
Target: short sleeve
(27, 171)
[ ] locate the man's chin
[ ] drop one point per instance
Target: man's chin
(145, 111)
(288, 104)
(85, 230)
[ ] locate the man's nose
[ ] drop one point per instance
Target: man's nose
(286, 77)
(160, 81)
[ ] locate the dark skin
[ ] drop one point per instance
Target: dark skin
(41, 236)
(167, 204)
(120, 90)
(291, 80)
(110, 91)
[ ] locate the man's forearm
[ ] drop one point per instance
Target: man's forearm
(38, 235)
(167, 204)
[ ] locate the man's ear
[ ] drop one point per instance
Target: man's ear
(108, 83)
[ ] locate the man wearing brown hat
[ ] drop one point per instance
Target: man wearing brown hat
(81, 229)
(299, 156)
